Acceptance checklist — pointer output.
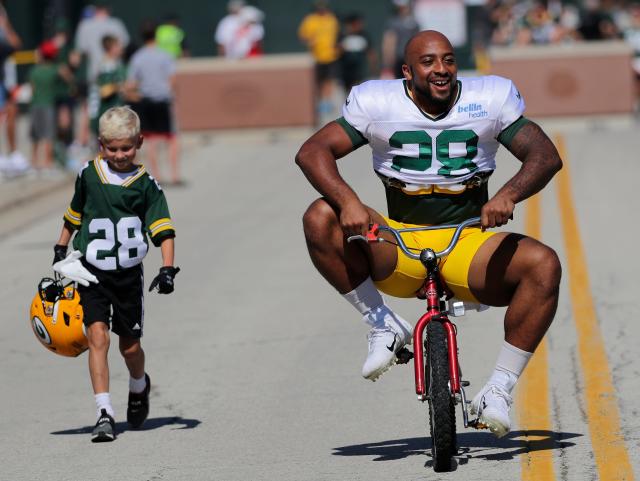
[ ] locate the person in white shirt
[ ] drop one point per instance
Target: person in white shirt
(240, 33)
(433, 138)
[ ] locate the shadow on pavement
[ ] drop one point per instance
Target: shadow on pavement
(471, 445)
(149, 425)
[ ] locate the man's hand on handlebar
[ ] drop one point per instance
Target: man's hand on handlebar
(373, 235)
(497, 212)
(354, 219)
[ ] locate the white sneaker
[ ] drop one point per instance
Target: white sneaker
(384, 342)
(491, 405)
(19, 162)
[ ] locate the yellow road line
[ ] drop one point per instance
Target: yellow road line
(612, 458)
(533, 389)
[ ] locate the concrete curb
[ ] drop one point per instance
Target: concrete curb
(20, 191)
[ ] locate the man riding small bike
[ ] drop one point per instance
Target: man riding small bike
(434, 137)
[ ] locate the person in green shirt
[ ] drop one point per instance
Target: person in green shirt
(110, 79)
(116, 209)
(43, 78)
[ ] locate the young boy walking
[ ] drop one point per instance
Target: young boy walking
(115, 205)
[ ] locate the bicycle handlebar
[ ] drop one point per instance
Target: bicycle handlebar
(372, 235)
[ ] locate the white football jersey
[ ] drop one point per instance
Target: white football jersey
(418, 149)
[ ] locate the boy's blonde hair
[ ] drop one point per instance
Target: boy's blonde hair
(119, 123)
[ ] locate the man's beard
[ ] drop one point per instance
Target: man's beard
(426, 94)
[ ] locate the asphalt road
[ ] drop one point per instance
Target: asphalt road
(255, 361)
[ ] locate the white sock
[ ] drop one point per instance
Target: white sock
(509, 366)
(137, 385)
(103, 401)
(365, 297)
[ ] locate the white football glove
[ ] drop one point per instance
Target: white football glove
(71, 268)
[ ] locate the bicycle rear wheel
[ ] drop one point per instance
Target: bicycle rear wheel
(442, 417)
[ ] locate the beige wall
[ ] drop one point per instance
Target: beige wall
(580, 79)
(271, 91)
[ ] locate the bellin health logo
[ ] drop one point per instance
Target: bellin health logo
(475, 111)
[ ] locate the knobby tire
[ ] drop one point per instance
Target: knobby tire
(442, 418)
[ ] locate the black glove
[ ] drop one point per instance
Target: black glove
(164, 280)
(59, 252)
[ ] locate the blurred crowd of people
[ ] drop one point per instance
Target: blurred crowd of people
(555, 21)
(74, 81)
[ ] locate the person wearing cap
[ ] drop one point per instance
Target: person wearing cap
(170, 37)
(43, 78)
(151, 75)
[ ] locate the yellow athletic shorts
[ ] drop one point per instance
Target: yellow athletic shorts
(409, 274)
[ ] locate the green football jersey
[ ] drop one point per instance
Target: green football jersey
(113, 213)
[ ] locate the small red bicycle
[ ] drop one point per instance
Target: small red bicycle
(438, 377)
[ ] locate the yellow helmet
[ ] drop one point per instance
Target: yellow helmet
(56, 318)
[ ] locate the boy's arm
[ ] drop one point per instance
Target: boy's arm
(164, 280)
(65, 235)
(72, 219)
(162, 234)
(60, 249)
(167, 248)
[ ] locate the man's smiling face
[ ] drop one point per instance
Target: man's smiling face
(431, 69)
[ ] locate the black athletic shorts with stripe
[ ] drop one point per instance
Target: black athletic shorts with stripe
(117, 300)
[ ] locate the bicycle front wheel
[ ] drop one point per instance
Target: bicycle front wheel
(442, 417)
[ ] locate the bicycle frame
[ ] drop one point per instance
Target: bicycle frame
(434, 313)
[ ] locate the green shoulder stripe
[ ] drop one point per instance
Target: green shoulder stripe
(506, 136)
(357, 139)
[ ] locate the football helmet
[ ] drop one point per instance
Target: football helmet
(56, 318)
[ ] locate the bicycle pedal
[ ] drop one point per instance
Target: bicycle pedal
(476, 424)
(404, 355)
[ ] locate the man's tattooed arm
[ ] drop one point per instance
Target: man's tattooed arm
(540, 162)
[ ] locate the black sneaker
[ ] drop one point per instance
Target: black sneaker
(138, 408)
(105, 430)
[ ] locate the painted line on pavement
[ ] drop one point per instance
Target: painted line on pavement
(533, 389)
(610, 452)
